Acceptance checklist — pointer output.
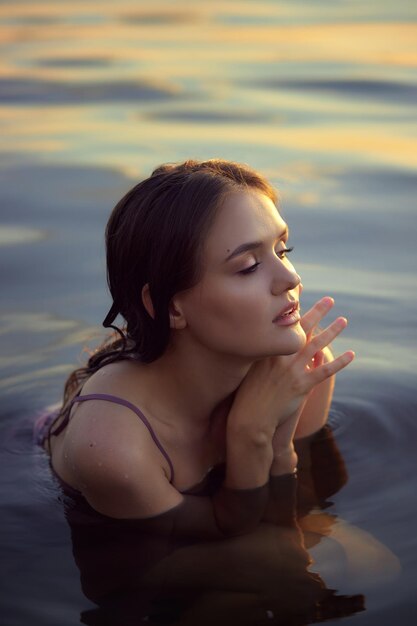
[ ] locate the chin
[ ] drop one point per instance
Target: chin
(294, 342)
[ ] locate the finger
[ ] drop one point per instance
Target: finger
(316, 361)
(326, 370)
(321, 340)
(310, 319)
(318, 358)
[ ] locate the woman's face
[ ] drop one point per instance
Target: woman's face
(245, 287)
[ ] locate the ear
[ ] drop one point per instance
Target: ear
(147, 301)
(176, 316)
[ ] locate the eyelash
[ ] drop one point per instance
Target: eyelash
(252, 268)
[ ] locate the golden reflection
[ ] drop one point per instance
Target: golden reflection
(42, 128)
(207, 59)
(366, 561)
(205, 35)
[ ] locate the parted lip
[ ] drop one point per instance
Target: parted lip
(289, 307)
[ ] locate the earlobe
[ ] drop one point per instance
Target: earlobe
(147, 301)
(176, 316)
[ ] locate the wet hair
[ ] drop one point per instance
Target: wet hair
(155, 235)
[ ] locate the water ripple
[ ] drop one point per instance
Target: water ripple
(75, 62)
(21, 91)
(156, 18)
(393, 91)
(204, 115)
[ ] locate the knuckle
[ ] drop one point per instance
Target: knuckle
(316, 344)
(298, 384)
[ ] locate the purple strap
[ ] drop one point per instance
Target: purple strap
(129, 405)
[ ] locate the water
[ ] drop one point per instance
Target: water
(321, 98)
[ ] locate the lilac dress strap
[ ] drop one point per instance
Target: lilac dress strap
(129, 405)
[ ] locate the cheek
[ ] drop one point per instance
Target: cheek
(227, 308)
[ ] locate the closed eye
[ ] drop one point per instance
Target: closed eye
(281, 254)
(250, 269)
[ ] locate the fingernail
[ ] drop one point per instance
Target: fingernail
(349, 356)
(328, 301)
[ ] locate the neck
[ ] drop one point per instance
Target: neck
(194, 384)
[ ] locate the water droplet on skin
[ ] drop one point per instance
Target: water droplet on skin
(99, 463)
(126, 475)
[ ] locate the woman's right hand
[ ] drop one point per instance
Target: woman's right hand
(275, 388)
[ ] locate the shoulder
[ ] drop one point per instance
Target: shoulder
(110, 453)
(114, 412)
(119, 474)
(119, 376)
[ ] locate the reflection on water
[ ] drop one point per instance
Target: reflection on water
(156, 571)
(17, 91)
(300, 69)
(320, 97)
(10, 235)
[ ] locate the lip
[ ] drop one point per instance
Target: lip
(292, 306)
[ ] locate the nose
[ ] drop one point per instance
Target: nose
(285, 278)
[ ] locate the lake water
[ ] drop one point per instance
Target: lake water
(319, 96)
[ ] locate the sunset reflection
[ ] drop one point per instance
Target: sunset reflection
(319, 97)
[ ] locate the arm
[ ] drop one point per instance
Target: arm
(126, 482)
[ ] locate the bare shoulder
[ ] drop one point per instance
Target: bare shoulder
(108, 420)
(108, 452)
(122, 478)
(115, 378)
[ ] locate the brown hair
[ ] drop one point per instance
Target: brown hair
(155, 235)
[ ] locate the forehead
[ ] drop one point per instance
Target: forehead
(243, 217)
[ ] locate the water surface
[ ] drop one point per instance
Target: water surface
(321, 98)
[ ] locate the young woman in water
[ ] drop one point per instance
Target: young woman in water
(191, 414)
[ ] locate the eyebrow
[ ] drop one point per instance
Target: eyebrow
(251, 245)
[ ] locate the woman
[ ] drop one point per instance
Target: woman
(215, 367)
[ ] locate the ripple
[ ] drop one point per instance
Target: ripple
(157, 18)
(30, 20)
(375, 89)
(21, 91)
(75, 62)
(190, 116)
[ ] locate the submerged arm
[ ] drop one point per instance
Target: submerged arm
(126, 482)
